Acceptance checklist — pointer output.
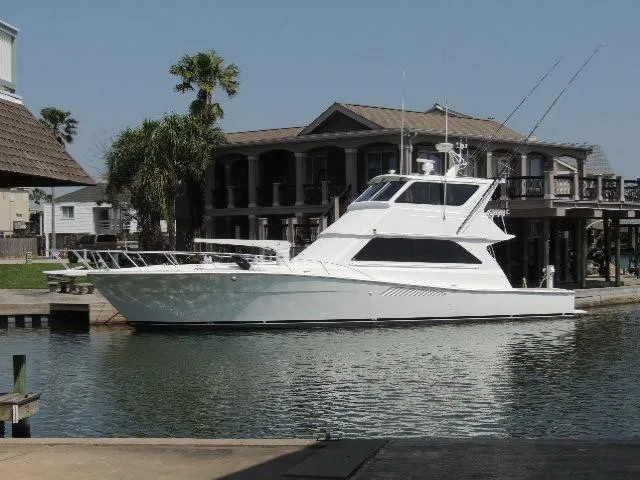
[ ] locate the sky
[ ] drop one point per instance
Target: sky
(108, 62)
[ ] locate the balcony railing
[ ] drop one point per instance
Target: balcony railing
(570, 187)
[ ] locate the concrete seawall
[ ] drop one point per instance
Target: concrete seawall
(388, 459)
(599, 297)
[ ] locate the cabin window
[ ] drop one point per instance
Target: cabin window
(389, 190)
(68, 213)
(370, 192)
(381, 191)
(418, 250)
(432, 193)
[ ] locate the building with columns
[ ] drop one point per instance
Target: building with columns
(291, 182)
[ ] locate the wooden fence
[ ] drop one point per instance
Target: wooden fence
(17, 247)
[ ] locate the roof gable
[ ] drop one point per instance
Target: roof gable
(339, 118)
(93, 194)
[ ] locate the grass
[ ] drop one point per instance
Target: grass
(23, 275)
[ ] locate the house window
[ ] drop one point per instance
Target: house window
(316, 170)
(415, 250)
(535, 166)
(68, 213)
(379, 162)
(432, 193)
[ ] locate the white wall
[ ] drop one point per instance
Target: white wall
(81, 223)
(6, 54)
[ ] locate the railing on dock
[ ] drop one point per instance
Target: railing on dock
(590, 188)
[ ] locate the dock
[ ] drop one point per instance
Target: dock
(371, 459)
(39, 306)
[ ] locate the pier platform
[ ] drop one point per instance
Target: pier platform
(36, 303)
(372, 459)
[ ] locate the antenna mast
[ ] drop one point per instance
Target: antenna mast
(403, 168)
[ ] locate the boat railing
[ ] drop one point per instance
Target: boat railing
(118, 259)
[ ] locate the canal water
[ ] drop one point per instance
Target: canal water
(551, 378)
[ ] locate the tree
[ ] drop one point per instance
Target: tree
(129, 161)
(155, 162)
(64, 127)
(39, 196)
(60, 122)
(205, 72)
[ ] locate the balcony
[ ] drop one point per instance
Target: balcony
(571, 188)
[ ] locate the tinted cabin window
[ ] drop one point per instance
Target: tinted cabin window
(422, 250)
(390, 189)
(431, 193)
(370, 192)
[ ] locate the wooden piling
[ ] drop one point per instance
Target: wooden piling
(606, 248)
(617, 252)
(22, 429)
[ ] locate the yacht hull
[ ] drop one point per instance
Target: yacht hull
(213, 299)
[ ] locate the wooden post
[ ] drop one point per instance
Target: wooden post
(545, 244)
(617, 254)
(606, 248)
(525, 250)
(620, 183)
(22, 429)
(635, 249)
(557, 259)
(583, 253)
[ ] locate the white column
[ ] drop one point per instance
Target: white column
(301, 161)
(253, 179)
(325, 192)
(253, 227)
(489, 165)
(276, 194)
(523, 173)
(351, 160)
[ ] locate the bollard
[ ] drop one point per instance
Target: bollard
(549, 272)
(22, 429)
(27, 257)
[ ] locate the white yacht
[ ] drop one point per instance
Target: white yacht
(411, 248)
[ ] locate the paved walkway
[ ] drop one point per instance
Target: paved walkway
(406, 459)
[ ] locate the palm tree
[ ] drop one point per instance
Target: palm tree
(64, 127)
(129, 168)
(60, 122)
(205, 71)
(155, 162)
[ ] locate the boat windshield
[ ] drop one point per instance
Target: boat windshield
(381, 191)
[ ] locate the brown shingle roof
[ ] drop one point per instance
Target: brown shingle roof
(263, 135)
(30, 154)
(433, 121)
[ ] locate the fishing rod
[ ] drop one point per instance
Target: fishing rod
(513, 112)
(487, 195)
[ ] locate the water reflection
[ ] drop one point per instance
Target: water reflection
(533, 378)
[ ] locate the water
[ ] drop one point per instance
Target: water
(551, 378)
